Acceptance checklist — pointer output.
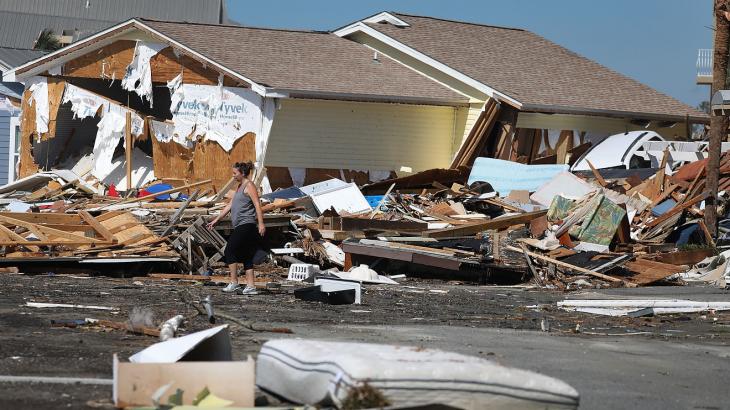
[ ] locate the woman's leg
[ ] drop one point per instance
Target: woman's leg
(250, 278)
(234, 272)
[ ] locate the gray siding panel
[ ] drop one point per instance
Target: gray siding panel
(4, 146)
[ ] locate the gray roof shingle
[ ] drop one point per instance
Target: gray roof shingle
(530, 68)
(304, 61)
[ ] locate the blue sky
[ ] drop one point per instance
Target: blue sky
(653, 41)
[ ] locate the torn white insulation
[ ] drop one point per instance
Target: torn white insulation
(38, 87)
(173, 85)
(83, 103)
(297, 176)
(220, 114)
(378, 175)
(110, 128)
(138, 77)
(165, 132)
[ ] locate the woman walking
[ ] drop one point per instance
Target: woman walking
(245, 211)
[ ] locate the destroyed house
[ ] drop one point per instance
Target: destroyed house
(182, 101)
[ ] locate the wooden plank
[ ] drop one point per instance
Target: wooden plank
(165, 192)
(563, 264)
(47, 231)
(128, 327)
(109, 215)
(472, 229)
(224, 190)
(678, 208)
(647, 272)
(98, 227)
(682, 257)
(28, 243)
(706, 232)
(44, 218)
(27, 164)
(15, 239)
(360, 224)
(597, 175)
(335, 235)
(129, 147)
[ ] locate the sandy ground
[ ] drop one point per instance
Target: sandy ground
(672, 361)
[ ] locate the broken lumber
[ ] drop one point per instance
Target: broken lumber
(473, 229)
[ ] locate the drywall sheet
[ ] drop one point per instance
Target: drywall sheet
(138, 77)
(38, 87)
(564, 184)
(337, 194)
(505, 176)
(142, 171)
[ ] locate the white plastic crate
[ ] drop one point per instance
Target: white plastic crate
(300, 271)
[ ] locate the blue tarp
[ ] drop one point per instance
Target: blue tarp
(506, 176)
(373, 200)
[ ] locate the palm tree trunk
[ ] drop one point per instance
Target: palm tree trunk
(718, 123)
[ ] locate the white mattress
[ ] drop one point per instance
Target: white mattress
(319, 372)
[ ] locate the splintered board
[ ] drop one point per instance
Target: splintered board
(127, 230)
(647, 272)
(207, 160)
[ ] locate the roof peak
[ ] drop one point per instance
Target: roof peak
(395, 13)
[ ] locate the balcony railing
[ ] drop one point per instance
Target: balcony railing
(704, 66)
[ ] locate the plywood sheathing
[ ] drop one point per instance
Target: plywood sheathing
(108, 62)
(28, 133)
(111, 62)
(166, 65)
(207, 160)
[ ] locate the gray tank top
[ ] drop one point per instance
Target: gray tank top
(243, 210)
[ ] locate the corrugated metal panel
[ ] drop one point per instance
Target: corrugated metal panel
(21, 30)
(22, 21)
(4, 146)
(353, 135)
(13, 57)
(203, 11)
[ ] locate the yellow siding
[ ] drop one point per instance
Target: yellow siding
(360, 135)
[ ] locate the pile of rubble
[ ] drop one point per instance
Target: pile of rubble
(499, 222)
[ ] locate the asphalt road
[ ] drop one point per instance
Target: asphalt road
(627, 372)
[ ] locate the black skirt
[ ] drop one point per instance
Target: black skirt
(242, 245)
